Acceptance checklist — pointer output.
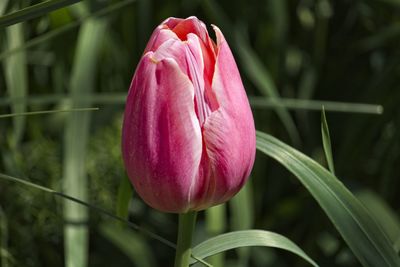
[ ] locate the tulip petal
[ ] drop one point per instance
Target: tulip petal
(162, 143)
(229, 132)
(190, 58)
(182, 27)
(173, 49)
(160, 35)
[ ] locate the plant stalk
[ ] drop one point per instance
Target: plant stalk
(187, 223)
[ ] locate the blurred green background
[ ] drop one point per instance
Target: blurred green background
(84, 55)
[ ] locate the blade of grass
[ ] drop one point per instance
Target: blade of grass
(395, 3)
(326, 141)
(54, 33)
(144, 20)
(97, 98)
(323, 15)
(3, 6)
(382, 213)
(241, 207)
(260, 77)
(380, 38)
(41, 112)
(355, 224)
(89, 206)
(256, 102)
(215, 225)
(260, 102)
(397, 245)
(16, 76)
(242, 217)
(251, 64)
(34, 11)
(75, 143)
(278, 12)
(3, 239)
(247, 238)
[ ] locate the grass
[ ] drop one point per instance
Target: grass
(294, 58)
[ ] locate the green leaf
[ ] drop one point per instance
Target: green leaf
(34, 11)
(247, 238)
(326, 141)
(383, 214)
(364, 237)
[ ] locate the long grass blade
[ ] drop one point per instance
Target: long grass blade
(255, 102)
(326, 142)
(253, 67)
(16, 76)
(316, 105)
(76, 138)
(380, 38)
(144, 16)
(3, 6)
(3, 239)
(397, 245)
(247, 238)
(360, 231)
(259, 75)
(96, 98)
(242, 217)
(88, 206)
(34, 11)
(383, 214)
(215, 225)
(61, 30)
(42, 112)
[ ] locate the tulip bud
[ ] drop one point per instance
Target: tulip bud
(188, 137)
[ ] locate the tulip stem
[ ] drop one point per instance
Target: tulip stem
(187, 223)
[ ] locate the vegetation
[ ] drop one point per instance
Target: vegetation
(76, 61)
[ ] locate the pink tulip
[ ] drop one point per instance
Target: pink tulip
(188, 137)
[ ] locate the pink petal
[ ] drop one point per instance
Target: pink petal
(190, 58)
(228, 133)
(158, 37)
(162, 143)
(174, 49)
(189, 25)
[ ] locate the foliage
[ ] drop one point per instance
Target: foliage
(341, 51)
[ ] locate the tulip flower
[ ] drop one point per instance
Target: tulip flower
(188, 136)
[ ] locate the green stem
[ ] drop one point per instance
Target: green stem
(187, 222)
